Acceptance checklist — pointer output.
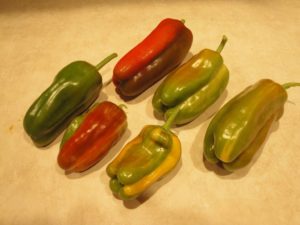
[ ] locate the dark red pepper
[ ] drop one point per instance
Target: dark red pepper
(88, 139)
(160, 52)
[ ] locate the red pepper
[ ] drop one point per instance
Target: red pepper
(160, 52)
(100, 129)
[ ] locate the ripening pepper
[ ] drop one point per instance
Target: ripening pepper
(239, 129)
(90, 136)
(160, 52)
(73, 90)
(144, 160)
(192, 87)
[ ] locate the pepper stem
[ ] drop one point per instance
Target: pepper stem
(222, 44)
(182, 20)
(122, 106)
(290, 84)
(171, 119)
(106, 83)
(106, 60)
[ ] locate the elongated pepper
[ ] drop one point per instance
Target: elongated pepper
(73, 90)
(192, 87)
(90, 136)
(160, 52)
(241, 126)
(144, 160)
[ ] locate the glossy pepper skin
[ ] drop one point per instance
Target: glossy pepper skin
(89, 137)
(192, 87)
(239, 129)
(143, 161)
(159, 53)
(73, 90)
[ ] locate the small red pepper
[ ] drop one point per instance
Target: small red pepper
(160, 52)
(91, 138)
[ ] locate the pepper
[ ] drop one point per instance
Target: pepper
(192, 87)
(144, 160)
(90, 136)
(241, 126)
(73, 90)
(159, 53)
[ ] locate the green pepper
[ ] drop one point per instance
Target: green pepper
(193, 87)
(239, 129)
(73, 90)
(144, 160)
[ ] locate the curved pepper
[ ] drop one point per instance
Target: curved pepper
(89, 137)
(73, 90)
(192, 87)
(239, 129)
(143, 161)
(160, 52)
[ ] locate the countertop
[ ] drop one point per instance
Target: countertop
(38, 38)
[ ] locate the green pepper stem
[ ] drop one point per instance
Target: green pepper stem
(106, 60)
(122, 106)
(222, 44)
(107, 82)
(171, 119)
(183, 21)
(290, 84)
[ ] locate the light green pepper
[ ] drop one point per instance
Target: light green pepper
(193, 87)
